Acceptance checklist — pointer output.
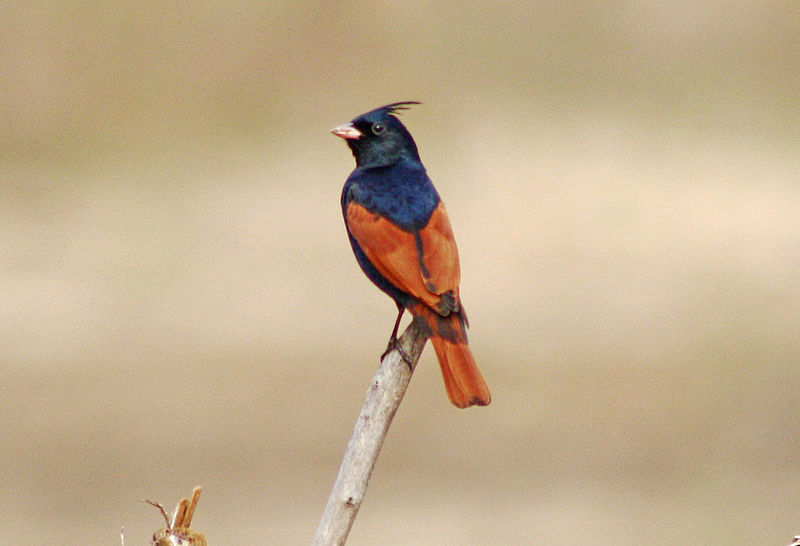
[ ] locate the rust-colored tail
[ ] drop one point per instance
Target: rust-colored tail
(462, 379)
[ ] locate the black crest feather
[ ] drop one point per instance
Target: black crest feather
(396, 107)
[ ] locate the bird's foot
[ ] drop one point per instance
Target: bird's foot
(394, 343)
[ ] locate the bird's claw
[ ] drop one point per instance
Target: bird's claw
(394, 343)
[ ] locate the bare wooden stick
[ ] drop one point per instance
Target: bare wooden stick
(383, 398)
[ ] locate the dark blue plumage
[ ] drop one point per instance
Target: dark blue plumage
(401, 192)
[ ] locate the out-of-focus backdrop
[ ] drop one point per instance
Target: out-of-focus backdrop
(179, 304)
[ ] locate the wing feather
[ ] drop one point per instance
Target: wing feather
(423, 263)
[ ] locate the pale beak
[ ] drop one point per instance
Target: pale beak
(347, 132)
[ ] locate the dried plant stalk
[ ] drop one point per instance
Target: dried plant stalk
(177, 531)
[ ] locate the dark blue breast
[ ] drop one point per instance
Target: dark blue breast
(401, 192)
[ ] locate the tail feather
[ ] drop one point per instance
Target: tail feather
(462, 379)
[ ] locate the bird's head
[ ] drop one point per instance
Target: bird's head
(378, 138)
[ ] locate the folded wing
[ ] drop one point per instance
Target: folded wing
(423, 263)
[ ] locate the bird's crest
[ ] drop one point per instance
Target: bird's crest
(396, 107)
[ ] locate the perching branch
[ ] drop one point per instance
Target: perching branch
(383, 398)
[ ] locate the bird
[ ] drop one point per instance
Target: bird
(402, 239)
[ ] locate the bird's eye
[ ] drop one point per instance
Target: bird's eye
(378, 128)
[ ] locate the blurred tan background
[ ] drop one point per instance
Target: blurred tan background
(179, 304)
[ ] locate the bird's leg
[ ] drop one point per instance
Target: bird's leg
(393, 342)
(400, 309)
